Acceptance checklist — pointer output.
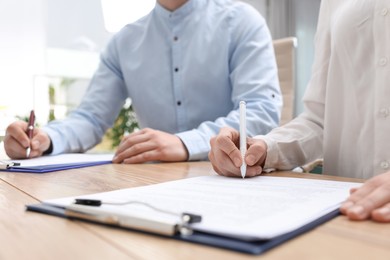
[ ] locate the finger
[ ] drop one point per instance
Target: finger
(358, 193)
(350, 202)
(213, 160)
(346, 206)
(217, 170)
(226, 141)
(252, 171)
(221, 162)
(212, 157)
(352, 190)
(381, 214)
(256, 153)
(255, 157)
(229, 169)
(13, 148)
(364, 190)
(17, 132)
(142, 157)
(40, 143)
(130, 140)
(135, 150)
(363, 207)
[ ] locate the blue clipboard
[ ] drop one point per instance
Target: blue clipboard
(52, 163)
(250, 247)
(53, 167)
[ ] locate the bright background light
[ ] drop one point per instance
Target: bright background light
(118, 13)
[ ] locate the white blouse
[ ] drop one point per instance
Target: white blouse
(347, 102)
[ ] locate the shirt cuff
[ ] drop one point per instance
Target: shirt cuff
(197, 145)
(55, 140)
(272, 156)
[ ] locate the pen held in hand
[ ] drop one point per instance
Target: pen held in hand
(243, 137)
(30, 131)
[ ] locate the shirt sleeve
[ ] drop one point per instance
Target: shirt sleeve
(253, 77)
(86, 125)
(301, 140)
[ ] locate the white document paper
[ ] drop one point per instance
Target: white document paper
(253, 208)
(63, 159)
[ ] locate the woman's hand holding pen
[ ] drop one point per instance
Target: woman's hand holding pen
(150, 145)
(16, 141)
(370, 201)
(226, 158)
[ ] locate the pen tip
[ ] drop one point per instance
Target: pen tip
(243, 170)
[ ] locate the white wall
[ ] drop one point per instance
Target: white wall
(21, 50)
(305, 16)
(35, 35)
(76, 24)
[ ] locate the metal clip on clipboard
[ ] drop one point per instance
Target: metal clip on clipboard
(7, 164)
(87, 209)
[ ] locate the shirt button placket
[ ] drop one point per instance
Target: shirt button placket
(175, 39)
(176, 63)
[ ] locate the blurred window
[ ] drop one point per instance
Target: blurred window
(118, 13)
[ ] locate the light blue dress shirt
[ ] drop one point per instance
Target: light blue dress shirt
(185, 72)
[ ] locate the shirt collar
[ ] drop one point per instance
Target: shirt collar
(181, 12)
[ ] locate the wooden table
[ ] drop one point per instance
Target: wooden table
(29, 235)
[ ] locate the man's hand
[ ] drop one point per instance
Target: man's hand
(226, 157)
(150, 145)
(16, 141)
(370, 201)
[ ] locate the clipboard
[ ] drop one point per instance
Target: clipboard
(184, 233)
(12, 167)
(55, 163)
(186, 211)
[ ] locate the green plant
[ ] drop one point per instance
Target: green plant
(52, 101)
(125, 123)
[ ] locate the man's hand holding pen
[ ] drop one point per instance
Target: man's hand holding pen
(17, 140)
(30, 131)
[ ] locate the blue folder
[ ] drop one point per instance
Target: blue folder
(256, 247)
(53, 167)
(55, 162)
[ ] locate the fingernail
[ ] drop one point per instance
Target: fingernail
(347, 205)
(250, 159)
(237, 162)
(357, 210)
(384, 211)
